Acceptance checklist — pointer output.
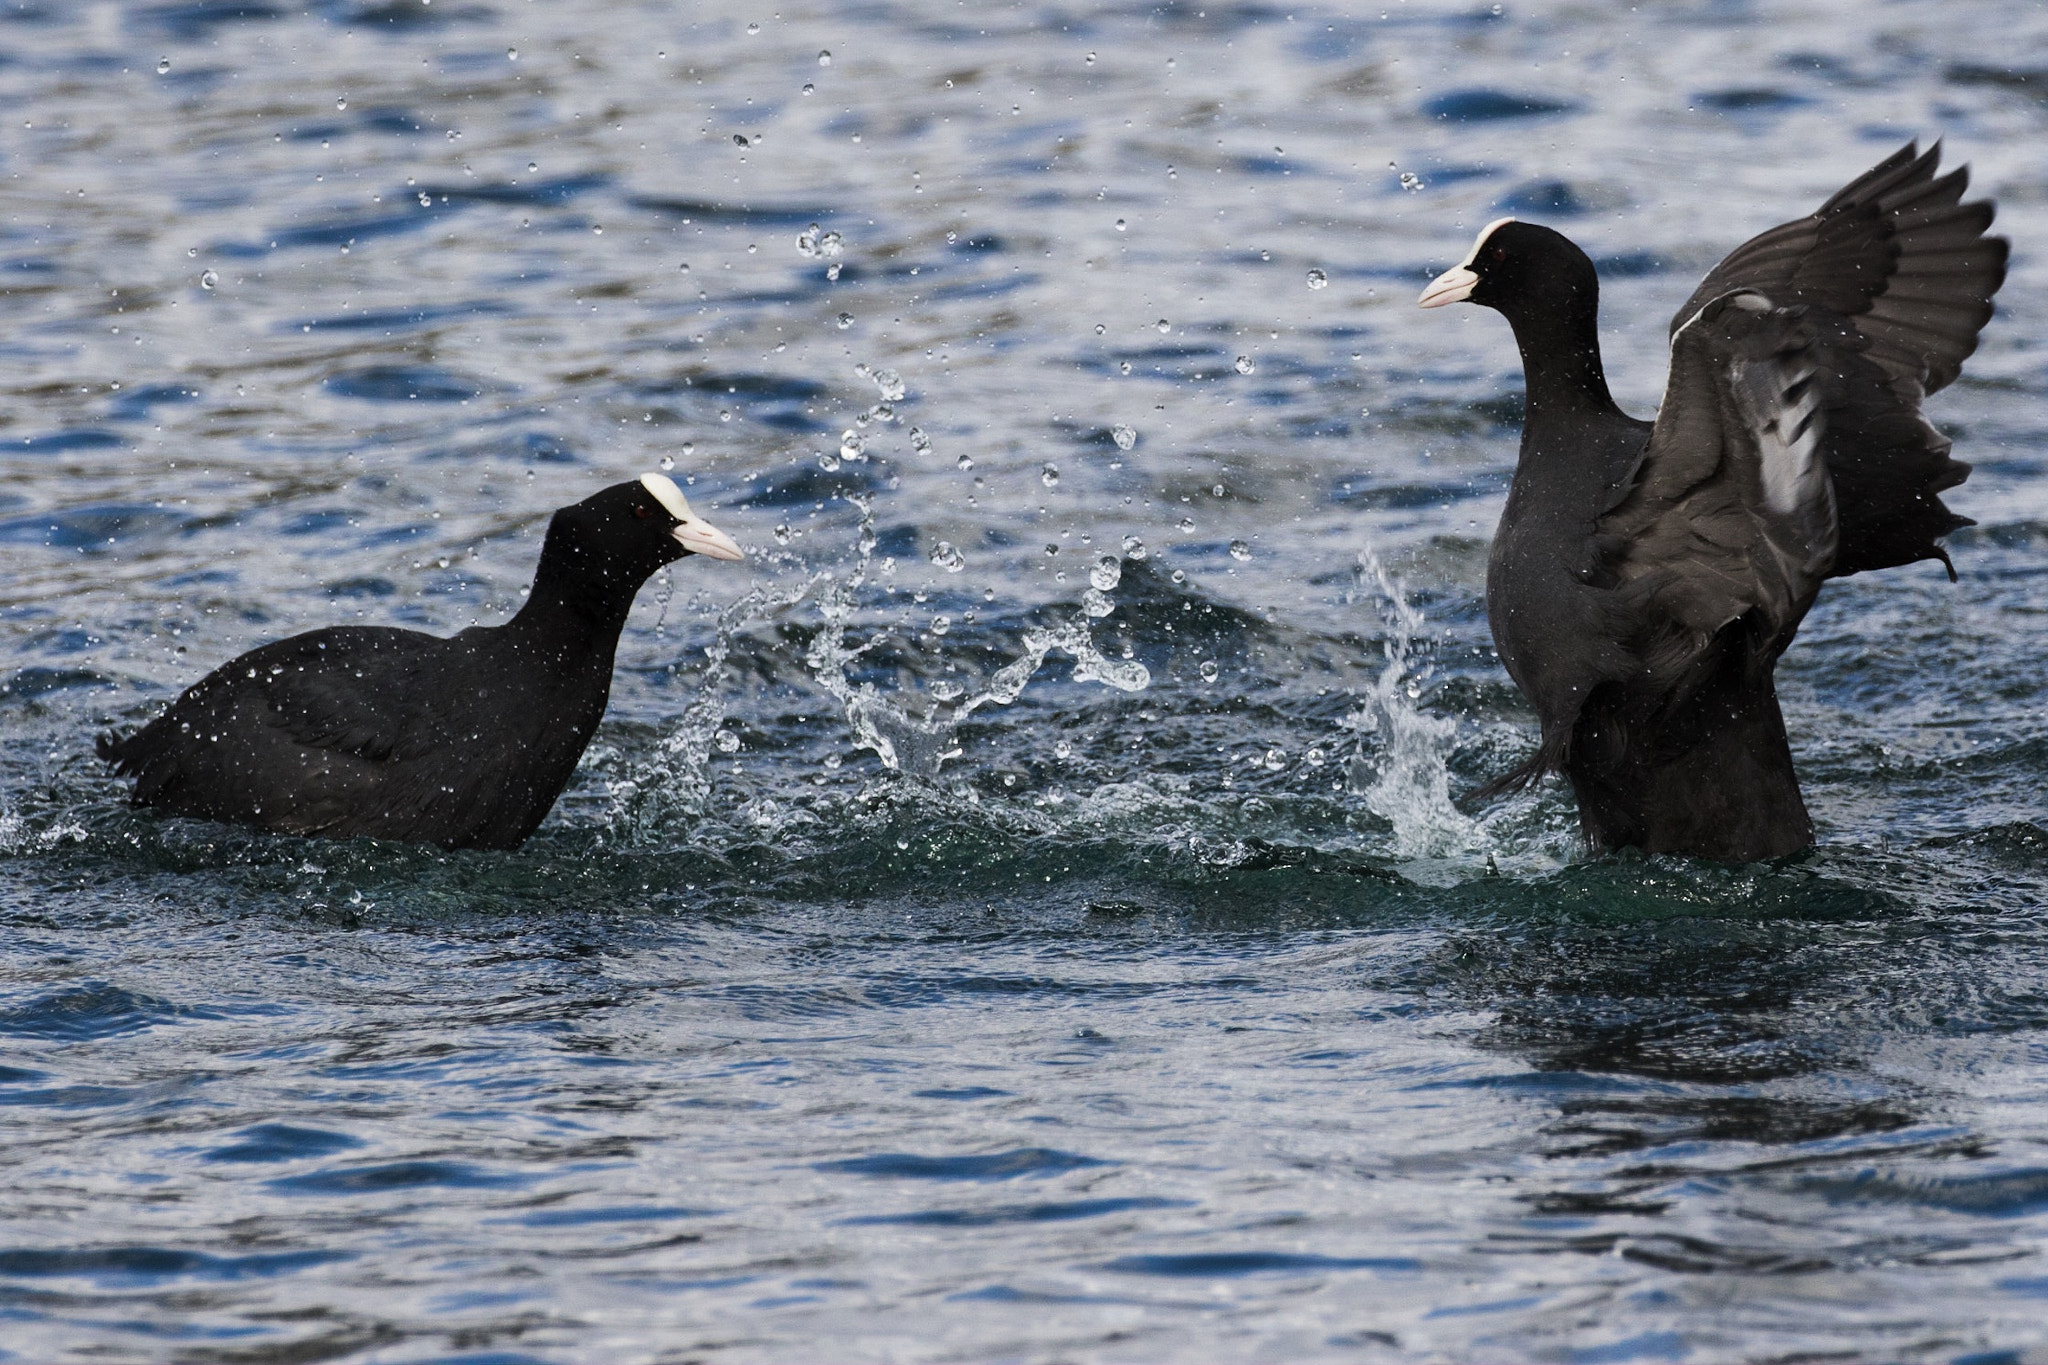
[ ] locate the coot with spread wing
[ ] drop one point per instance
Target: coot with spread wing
(1646, 576)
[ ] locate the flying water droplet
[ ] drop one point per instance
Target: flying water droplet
(1050, 476)
(208, 280)
(852, 445)
(1121, 225)
(1317, 279)
(1411, 182)
(163, 66)
(1062, 750)
(1097, 603)
(1276, 759)
(727, 742)
(1314, 758)
(1240, 551)
(1187, 525)
(947, 557)
(1134, 548)
(341, 102)
(827, 461)
(965, 461)
(845, 321)
(1207, 668)
(920, 442)
(668, 462)
(511, 54)
(1164, 325)
(753, 29)
(1107, 573)
(941, 624)
(1244, 365)
(1124, 436)
(824, 59)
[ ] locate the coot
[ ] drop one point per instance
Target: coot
(1647, 575)
(392, 734)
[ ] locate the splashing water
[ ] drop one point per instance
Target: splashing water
(1410, 785)
(919, 745)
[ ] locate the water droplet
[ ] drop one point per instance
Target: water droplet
(668, 462)
(442, 562)
(1107, 573)
(1240, 551)
(740, 140)
(341, 102)
(891, 385)
(827, 461)
(1244, 365)
(753, 29)
(920, 442)
(1050, 476)
(852, 445)
(810, 89)
(832, 271)
(1121, 225)
(725, 414)
(1276, 759)
(1314, 758)
(1134, 548)
(964, 462)
(1317, 279)
(426, 200)
(1164, 325)
(1091, 59)
(727, 742)
(163, 66)
(845, 321)
(533, 166)
(1365, 412)
(1178, 576)
(1124, 436)
(947, 557)
(1208, 670)
(832, 762)
(1097, 603)
(1215, 490)
(1051, 550)
(1411, 182)
(941, 624)
(824, 59)
(511, 54)
(1062, 750)
(1125, 367)
(1100, 329)
(1187, 525)
(207, 279)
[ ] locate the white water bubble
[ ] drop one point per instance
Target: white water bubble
(1050, 476)
(1124, 436)
(727, 742)
(1314, 758)
(208, 279)
(1244, 365)
(1062, 750)
(1107, 573)
(1276, 759)
(1208, 669)
(947, 557)
(1097, 603)
(1240, 551)
(1317, 279)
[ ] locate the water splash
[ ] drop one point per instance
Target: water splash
(920, 744)
(1406, 781)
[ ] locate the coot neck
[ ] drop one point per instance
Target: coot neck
(576, 607)
(1559, 338)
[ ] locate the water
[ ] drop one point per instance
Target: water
(933, 961)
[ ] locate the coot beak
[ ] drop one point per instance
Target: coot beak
(700, 537)
(1453, 286)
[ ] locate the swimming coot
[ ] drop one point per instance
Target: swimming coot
(1646, 576)
(391, 734)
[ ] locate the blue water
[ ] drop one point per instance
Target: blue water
(1161, 996)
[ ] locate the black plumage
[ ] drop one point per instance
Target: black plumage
(394, 734)
(1647, 576)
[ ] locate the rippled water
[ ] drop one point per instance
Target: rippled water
(1160, 996)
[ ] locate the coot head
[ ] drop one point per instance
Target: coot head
(599, 551)
(1516, 266)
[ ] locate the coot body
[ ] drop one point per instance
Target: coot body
(1647, 576)
(395, 734)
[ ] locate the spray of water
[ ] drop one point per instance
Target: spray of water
(920, 744)
(1403, 778)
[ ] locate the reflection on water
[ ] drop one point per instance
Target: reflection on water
(1039, 889)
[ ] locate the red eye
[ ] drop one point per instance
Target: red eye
(642, 511)
(1500, 253)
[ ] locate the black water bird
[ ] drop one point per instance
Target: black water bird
(1647, 576)
(393, 734)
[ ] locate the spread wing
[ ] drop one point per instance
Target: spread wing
(1732, 512)
(1897, 253)
(1896, 276)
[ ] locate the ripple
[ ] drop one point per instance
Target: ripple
(1021, 1161)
